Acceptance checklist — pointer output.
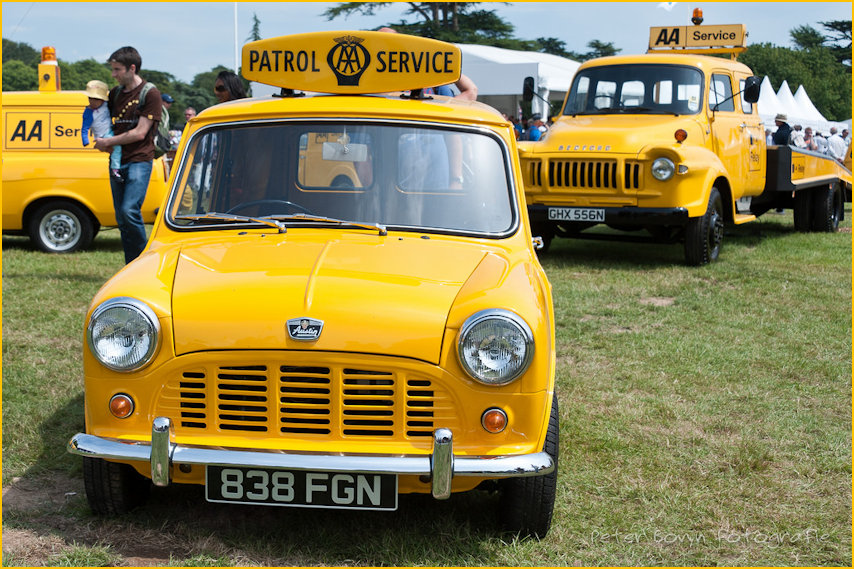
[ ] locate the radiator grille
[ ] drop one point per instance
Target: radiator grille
(307, 401)
(559, 174)
(596, 174)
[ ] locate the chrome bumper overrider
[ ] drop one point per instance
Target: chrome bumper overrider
(441, 466)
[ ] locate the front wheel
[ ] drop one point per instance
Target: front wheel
(113, 488)
(61, 227)
(527, 504)
(704, 235)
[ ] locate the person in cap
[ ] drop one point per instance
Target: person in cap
(783, 132)
(96, 118)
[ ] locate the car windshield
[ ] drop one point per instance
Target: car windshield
(387, 175)
(636, 89)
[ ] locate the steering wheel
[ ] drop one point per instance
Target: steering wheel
(247, 205)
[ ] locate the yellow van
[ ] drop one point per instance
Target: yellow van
(287, 339)
(54, 189)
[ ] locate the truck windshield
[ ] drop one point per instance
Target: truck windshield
(394, 175)
(636, 89)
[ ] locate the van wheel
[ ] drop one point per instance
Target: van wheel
(704, 235)
(527, 504)
(113, 488)
(828, 208)
(61, 227)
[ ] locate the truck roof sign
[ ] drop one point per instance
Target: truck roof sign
(682, 37)
(351, 62)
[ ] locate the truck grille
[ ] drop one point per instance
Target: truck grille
(307, 401)
(583, 174)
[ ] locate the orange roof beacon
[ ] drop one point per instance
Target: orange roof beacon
(340, 301)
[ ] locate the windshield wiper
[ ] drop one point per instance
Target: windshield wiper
(229, 218)
(321, 219)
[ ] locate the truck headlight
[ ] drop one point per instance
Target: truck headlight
(123, 334)
(495, 346)
(663, 169)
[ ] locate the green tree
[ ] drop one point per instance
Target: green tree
(806, 37)
(22, 52)
(18, 76)
(838, 39)
(600, 49)
(255, 34)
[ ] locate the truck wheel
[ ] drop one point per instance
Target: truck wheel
(113, 488)
(828, 209)
(61, 227)
(704, 235)
(526, 504)
(803, 211)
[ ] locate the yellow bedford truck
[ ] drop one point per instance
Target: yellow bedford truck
(340, 302)
(54, 189)
(671, 143)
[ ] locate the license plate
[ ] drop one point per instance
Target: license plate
(577, 214)
(305, 489)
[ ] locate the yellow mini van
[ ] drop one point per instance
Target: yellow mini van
(289, 340)
(54, 189)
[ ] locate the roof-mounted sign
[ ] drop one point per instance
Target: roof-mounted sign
(729, 38)
(351, 62)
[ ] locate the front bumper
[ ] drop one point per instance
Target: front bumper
(441, 466)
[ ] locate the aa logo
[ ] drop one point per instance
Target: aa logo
(348, 59)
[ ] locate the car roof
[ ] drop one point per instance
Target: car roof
(437, 108)
(703, 62)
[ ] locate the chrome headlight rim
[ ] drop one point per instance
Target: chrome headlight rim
(506, 316)
(670, 169)
(145, 311)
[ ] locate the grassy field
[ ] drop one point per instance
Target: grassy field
(705, 420)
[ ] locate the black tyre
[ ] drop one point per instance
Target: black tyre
(828, 209)
(704, 235)
(527, 504)
(113, 488)
(803, 211)
(61, 227)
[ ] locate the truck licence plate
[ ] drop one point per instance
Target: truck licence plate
(577, 214)
(301, 488)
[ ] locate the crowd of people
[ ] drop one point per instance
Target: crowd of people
(835, 144)
(533, 128)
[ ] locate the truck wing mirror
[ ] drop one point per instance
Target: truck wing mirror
(528, 89)
(752, 86)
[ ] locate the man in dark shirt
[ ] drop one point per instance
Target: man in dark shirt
(134, 127)
(784, 131)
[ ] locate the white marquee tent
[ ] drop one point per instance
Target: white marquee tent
(499, 74)
(798, 108)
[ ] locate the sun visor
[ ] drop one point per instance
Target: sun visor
(351, 62)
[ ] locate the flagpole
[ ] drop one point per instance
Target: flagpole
(236, 57)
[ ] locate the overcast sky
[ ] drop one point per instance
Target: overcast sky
(186, 38)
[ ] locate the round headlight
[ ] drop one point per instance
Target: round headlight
(123, 334)
(663, 168)
(495, 346)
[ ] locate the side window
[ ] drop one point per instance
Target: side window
(720, 93)
(745, 106)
